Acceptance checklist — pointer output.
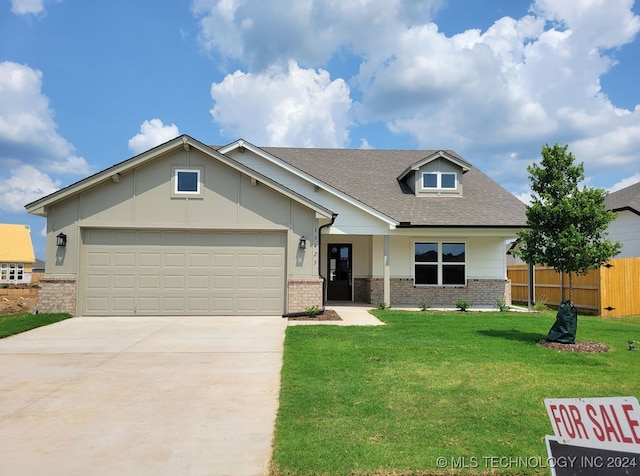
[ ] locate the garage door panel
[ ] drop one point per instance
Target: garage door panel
(97, 305)
(199, 260)
(149, 260)
(183, 273)
(199, 282)
(124, 281)
(97, 281)
(172, 283)
(149, 305)
(222, 305)
(248, 283)
(174, 260)
(173, 304)
(96, 259)
(124, 260)
(124, 304)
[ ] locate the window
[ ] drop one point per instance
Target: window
(11, 272)
(187, 181)
(439, 264)
(439, 180)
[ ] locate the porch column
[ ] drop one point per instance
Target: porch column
(387, 271)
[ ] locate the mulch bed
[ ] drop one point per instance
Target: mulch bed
(327, 315)
(589, 347)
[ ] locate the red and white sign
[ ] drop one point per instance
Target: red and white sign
(610, 423)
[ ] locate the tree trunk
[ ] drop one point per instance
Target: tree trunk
(571, 287)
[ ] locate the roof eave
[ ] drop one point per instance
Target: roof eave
(39, 206)
(243, 145)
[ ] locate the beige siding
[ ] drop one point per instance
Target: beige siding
(142, 198)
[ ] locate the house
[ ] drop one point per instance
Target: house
(191, 229)
(16, 254)
(626, 227)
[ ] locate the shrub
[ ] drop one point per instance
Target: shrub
(312, 311)
(501, 305)
(424, 305)
(381, 305)
(541, 304)
(463, 304)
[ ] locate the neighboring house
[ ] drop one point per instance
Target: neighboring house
(626, 227)
(16, 254)
(190, 229)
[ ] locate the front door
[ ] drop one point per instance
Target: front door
(339, 268)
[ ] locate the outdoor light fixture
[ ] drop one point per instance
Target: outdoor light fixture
(303, 243)
(61, 239)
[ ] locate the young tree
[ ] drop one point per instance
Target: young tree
(567, 224)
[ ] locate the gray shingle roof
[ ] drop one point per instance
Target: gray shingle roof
(370, 176)
(628, 197)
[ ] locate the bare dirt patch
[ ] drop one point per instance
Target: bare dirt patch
(16, 299)
(327, 315)
(589, 347)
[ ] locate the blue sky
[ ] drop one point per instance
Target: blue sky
(85, 85)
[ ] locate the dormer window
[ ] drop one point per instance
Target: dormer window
(439, 180)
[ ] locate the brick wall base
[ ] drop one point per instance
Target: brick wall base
(479, 292)
(303, 293)
(57, 295)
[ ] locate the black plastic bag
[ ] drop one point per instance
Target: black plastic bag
(564, 329)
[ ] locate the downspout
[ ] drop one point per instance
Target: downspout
(324, 280)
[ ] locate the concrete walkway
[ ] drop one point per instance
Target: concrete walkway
(141, 396)
(351, 314)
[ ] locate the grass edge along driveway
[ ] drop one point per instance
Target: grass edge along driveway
(468, 388)
(12, 324)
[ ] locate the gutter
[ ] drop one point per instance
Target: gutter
(324, 280)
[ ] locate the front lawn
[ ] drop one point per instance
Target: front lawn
(15, 323)
(466, 387)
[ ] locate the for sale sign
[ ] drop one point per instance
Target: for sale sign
(594, 435)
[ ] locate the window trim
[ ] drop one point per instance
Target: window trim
(12, 272)
(439, 175)
(440, 263)
(175, 170)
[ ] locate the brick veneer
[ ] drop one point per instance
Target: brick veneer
(482, 292)
(57, 295)
(304, 292)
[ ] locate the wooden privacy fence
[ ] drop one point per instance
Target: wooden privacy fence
(612, 290)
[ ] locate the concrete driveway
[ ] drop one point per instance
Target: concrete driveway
(141, 396)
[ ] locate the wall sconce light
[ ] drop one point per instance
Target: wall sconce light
(61, 239)
(303, 243)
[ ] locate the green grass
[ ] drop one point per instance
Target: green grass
(15, 323)
(392, 399)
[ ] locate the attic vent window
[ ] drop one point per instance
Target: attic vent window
(439, 180)
(187, 181)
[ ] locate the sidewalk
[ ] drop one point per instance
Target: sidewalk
(351, 316)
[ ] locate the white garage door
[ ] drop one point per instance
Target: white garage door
(182, 273)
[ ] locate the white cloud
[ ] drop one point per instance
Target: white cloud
(24, 185)
(267, 32)
(152, 133)
(520, 84)
(284, 107)
(28, 133)
(626, 182)
(28, 7)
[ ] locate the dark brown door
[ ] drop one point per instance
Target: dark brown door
(339, 280)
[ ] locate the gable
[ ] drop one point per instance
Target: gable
(375, 179)
(149, 179)
(15, 244)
